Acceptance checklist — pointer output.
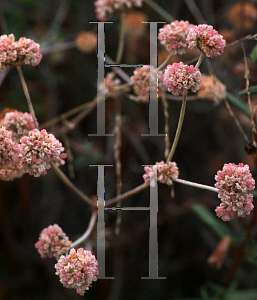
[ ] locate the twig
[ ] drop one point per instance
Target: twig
(197, 185)
(162, 12)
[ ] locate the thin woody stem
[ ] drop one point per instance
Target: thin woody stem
(26, 92)
(197, 185)
(87, 232)
(165, 63)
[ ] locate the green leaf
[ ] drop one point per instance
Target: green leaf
(217, 226)
(253, 55)
(238, 104)
(245, 295)
(252, 90)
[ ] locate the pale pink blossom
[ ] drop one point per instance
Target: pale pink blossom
(106, 8)
(233, 184)
(77, 270)
(52, 242)
(18, 123)
(142, 80)
(17, 53)
(206, 39)
(162, 172)
(9, 150)
(180, 78)
(173, 36)
(110, 84)
(39, 149)
(10, 172)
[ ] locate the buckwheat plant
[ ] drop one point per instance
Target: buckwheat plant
(77, 270)
(173, 36)
(53, 242)
(233, 184)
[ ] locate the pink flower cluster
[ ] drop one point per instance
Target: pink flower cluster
(162, 172)
(23, 51)
(39, 149)
(112, 7)
(173, 36)
(110, 84)
(77, 270)
(9, 150)
(19, 123)
(233, 183)
(180, 78)
(207, 39)
(10, 172)
(53, 242)
(143, 78)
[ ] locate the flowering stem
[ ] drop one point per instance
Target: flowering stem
(162, 12)
(200, 59)
(197, 185)
(180, 123)
(165, 63)
(26, 92)
(87, 232)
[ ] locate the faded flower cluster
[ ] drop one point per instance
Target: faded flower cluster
(180, 78)
(110, 84)
(206, 39)
(53, 242)
(39, 149)
(77, 270)
(233, 183)
(142, 80)
(105, 8)
(162, 172)
(24, 51)
(173, 36)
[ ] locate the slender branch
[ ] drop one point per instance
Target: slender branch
(162, 12)
(26, 92)
(180, 123)
(87, 232)
(165, 63)
(197, 185)
(200, 59)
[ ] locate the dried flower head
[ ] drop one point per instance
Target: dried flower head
(9, 150)
(39, 149)
(162, 172)
(77, 270)
(133, 24)
(173, 36)
(86, 41)
(10, 172)
(105, 8)
(206, 39)
(212, 89)
(18, 123)
(142, 80)
(53, 242)
(233, 183)
(242, 15)
(24, 51)
(110, 84)
(180, 78)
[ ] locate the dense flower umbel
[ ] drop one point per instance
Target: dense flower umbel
(110, 84)
(10, 172)
(173, 36)
(19, 123)
(77, 270)
(233, 183)
(180, 78)
(166, 173)
(53, 242)
(9, 150)
(24, 51)
(206, 39)
(105, 8)
(39, 149)
(142, 78)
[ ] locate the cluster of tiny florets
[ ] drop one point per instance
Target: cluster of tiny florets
(180, 78)
(18, 123)
(110, 84)
(52, 242)
(12, 171)
(233, 183)
(206, 39)
(9, 150)
(105, 8)
(39, 149)
(24, 51)
(142, 80)
(173, 36)
(162, 172)
(77, 270)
